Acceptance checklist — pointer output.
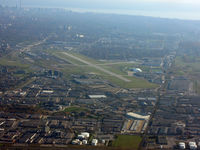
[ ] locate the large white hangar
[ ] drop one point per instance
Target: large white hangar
(137, 116)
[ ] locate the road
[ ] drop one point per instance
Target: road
(98, 67)
(32, 45)
(116, 63)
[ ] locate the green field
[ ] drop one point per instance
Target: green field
(75, 109)
(12, 62)
(127, 142)
(188, 66)
(122, 70)
(16, 64)
(67, 58)
(78, 67)
(197, 86)
(86, 58)
(135, 82)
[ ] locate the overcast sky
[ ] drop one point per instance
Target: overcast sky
(187, 9)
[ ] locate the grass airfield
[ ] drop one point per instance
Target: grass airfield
(119, 68)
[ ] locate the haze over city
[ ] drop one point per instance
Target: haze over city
(181, 9)
(99, 74)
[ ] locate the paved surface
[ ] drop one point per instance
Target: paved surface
(32, 45)
(115, 63)
(98, 67)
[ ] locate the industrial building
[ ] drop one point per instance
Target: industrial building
(137, 116)
(182, 145)
(94, 142)
(136, 70)
(97, 96)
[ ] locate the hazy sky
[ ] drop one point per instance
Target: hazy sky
(188, 9)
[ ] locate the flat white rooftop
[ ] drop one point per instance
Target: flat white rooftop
(138, 116)
(97, 96)
(47, 91)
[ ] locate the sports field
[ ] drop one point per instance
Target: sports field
(127, 142)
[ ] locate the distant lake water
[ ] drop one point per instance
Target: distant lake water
(161, 14)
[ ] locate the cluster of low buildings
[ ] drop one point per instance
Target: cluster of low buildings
(48, 122)
(176, 117)
(190, 145)
(83, 139)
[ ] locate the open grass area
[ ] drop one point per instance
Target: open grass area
(134, 83)
(197, 86)
(188, 66)
(86, 58)
(17, 64)
(127, 142)
(10, 62)
(118, 68)
(68, 70)
(78, 67)
(67, 58)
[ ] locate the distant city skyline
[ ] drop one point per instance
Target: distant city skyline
(181, 9)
